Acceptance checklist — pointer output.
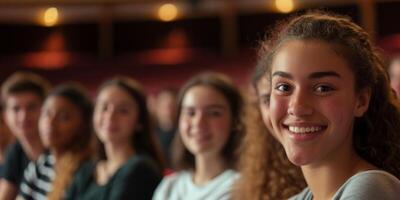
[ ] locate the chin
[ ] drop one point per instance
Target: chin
(298, 160)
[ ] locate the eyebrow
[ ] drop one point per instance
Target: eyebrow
(314, 75)
(212, 106)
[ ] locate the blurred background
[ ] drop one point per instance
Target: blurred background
(160, 43)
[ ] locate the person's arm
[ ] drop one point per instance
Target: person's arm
(8, 191)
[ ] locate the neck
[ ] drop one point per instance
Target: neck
(324, 179)
(166, 125)
(117, 155)
(207, 168)
(32, 148)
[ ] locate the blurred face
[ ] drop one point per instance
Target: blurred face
(394, 71)
(313, 102)
(264, 95)
(205, 121)
(60, 123)
(115, 115)
(22, 113)
(166, 108)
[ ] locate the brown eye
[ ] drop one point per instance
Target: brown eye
(324, 88)
(283, 87)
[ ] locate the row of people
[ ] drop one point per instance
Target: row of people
(327, 127)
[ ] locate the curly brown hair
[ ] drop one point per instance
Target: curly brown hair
(266, 172)
(376, 135)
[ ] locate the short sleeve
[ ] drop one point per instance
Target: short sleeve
(370, 186)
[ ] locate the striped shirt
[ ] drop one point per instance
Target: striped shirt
(38, 177)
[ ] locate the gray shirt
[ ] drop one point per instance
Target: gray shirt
(367, 185)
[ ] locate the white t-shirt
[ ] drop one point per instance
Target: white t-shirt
(180, 186)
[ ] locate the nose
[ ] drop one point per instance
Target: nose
(300, 104)
(51, 122)
(199, 120)
(22, 115)
(110, 114)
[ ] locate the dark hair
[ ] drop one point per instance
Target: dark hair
(376, 134)
(143, 140)
(25, 82)
(81, 148)
(78, 96)
(182, 158)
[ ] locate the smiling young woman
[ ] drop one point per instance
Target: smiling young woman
(210, 113)
(332, 109)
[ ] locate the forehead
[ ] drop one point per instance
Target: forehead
(305, 56)
(203, 96)
(114, 94)
(23, 98)
(58, 102)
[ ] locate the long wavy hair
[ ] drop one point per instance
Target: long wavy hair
(143, 141)
(80, 148)
(376, 135)
(266, 172)
(182, 159)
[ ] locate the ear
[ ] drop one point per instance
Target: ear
(362, 103)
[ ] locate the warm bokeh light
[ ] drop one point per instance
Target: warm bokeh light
(50, 16)
(284, 6)
(168, 12)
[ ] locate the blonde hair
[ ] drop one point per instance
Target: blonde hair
(65, 169)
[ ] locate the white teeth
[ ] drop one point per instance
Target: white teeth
(304, 130)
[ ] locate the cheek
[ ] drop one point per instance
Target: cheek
(275, 114)
(339, 112)
(96, 120)
(183, 126)
(8, 117)
(42, 125)
(265, 114)
(225, 128)
(277, 109)
(72, 128)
